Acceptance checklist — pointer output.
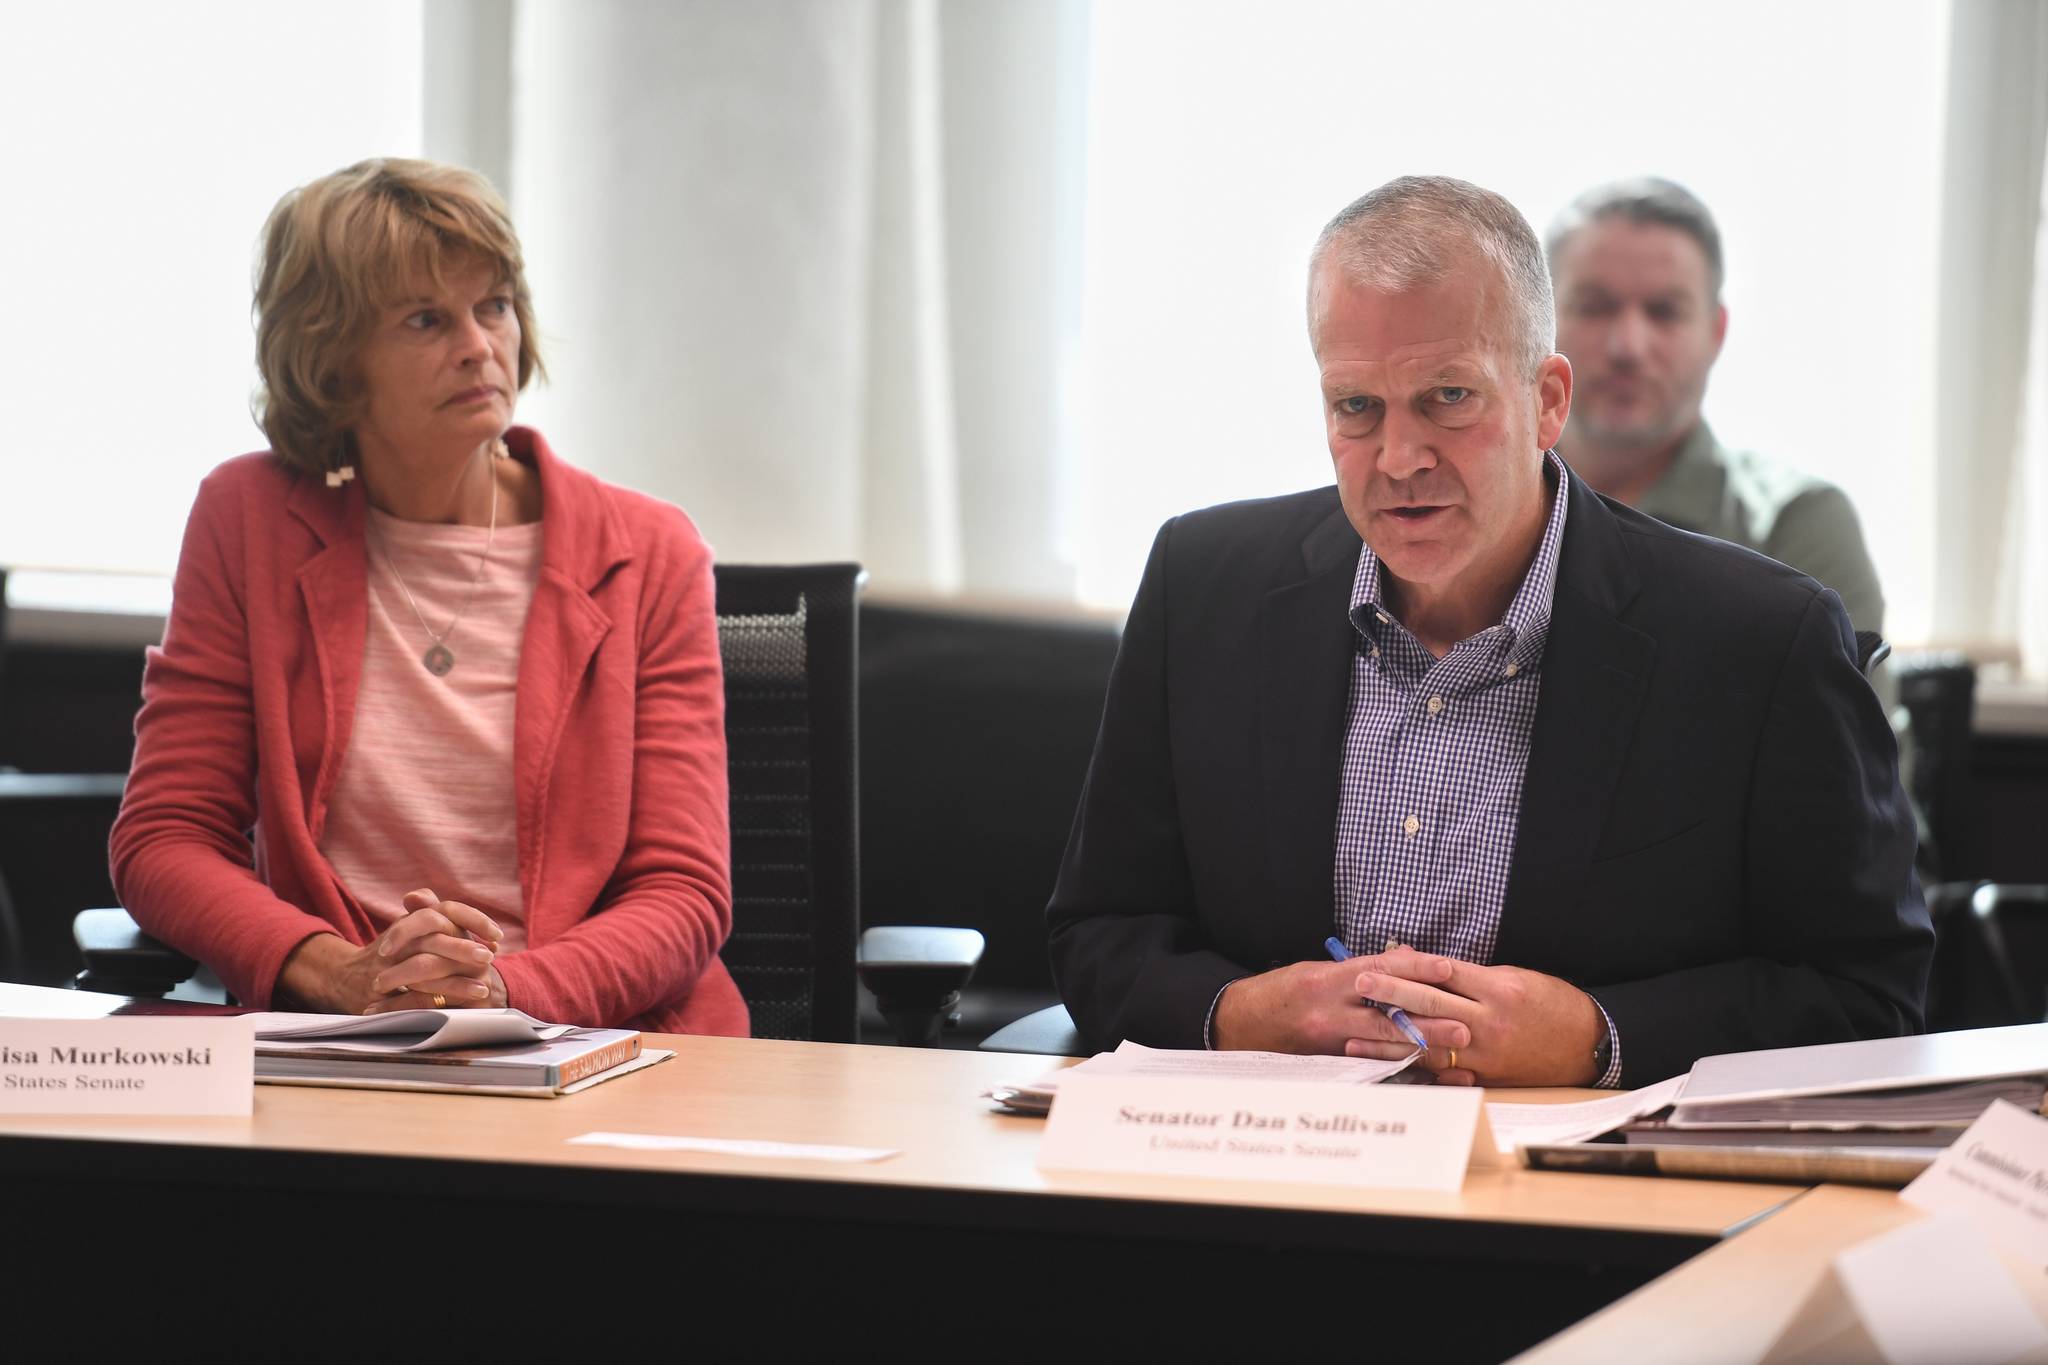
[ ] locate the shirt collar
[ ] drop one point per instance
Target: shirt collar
(1527, 619)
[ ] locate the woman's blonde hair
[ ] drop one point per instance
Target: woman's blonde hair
(336, 253)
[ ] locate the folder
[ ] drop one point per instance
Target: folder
(1874, 1112)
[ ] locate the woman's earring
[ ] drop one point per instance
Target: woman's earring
(337, 477)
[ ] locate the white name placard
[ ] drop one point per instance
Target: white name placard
(1930, 1293)
(1995, 1174)
(1302, 1132)
(159, 1064)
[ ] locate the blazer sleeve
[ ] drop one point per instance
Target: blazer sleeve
(667, 908)
(1129, 953)
(180, 853)
(1838, 937)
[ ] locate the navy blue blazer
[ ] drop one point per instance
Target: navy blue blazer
(1713, 840)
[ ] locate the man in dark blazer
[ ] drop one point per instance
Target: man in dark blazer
(1590, 797)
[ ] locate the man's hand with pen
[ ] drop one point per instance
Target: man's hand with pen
(1316, 1007)
(1522, 1027)
(1506, 1025)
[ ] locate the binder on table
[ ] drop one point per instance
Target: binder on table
(1875, 1112)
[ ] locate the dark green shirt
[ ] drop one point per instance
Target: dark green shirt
(1796, 519)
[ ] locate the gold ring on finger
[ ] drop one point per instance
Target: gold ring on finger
(441, 1002)
(1453, 1051)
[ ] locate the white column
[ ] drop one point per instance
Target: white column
(1997, 130)
(691, 182)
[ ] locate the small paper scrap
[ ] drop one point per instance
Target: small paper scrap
(1527, 1125)
(802, 1151)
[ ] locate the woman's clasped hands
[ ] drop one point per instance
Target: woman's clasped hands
(437, 951)
(432, 953)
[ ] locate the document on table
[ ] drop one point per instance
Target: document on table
(402, 1030)
(1134, 1059)
(1528, 1125)
(797, 1151)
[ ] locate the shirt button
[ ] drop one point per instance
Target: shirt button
(1410, 825)
(1383, 618)
(1513, 669)
(1375, 651)
(1436, 704)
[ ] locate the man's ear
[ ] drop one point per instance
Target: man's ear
(1720, 328)
(1553, 399)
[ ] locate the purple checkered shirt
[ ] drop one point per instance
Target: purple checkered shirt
(1434, 755)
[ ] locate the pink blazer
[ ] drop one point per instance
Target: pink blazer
(618, 748)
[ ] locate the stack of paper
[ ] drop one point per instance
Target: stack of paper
(1134, 1059)
(1872, 1112)
(504, 1052)
(402, 1030)
(1935, 1080)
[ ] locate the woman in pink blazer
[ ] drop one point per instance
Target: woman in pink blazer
(437, 719)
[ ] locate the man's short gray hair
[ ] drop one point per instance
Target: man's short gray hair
(1647, 200)
(1417, 230)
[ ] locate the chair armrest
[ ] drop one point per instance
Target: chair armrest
(1991, 954)
(1050, 1032)
(122, 960)
(917, 973)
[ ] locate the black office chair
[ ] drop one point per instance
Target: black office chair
(1937, 690)
(10, 925)
(1991, 956)
(52, 847)
(977, 725)
(1991, 939)
(788, 638)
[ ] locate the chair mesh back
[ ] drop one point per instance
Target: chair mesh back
(1939, 690)
(787, 640)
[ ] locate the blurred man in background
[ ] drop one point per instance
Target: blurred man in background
(1637, 268)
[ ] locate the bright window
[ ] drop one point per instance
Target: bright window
(146, 143)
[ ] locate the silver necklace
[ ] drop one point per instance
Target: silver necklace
(438, 657)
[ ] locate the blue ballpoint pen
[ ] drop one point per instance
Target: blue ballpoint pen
(1339, 953)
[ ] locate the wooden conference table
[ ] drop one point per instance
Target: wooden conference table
(1733, 1302)
(350, 1222)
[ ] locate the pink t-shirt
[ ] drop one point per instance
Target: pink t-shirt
(425, 793)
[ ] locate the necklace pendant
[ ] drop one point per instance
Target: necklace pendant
(438, 659)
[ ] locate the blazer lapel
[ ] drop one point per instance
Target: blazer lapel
(1306, 648)
(1595, 670)
(334, 590)
(581, 544)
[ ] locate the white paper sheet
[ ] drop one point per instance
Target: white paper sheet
(804, 1151)
(1527, 1125)
(401, 1030)
(1135, 1059)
